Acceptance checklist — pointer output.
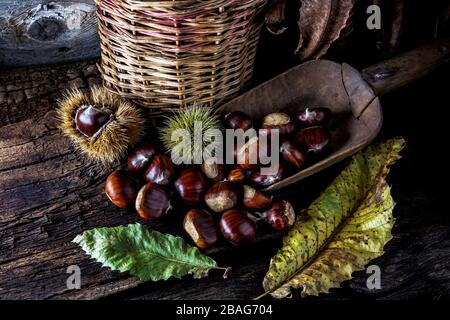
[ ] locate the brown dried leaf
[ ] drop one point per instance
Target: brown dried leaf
(341, 21)
(321, 23)
(313, 20)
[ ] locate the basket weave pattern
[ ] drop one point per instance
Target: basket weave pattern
(168, 54)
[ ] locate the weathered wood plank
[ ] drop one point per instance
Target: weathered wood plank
(49, 194)
(44, 31)
(31, 93)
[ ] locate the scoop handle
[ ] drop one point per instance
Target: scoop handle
(394, 73)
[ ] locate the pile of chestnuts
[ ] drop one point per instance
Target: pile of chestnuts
(220, 200)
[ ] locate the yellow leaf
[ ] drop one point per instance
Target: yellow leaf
(341, 231)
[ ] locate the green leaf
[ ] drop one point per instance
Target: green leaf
(342, 230)
(148, 255)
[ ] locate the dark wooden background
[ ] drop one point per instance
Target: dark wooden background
(49, 194)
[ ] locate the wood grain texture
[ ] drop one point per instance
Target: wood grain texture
(48, 194)
(44, 31)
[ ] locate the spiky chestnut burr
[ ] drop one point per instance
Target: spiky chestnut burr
(100, 124)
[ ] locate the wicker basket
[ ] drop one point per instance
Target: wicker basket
(168, 54)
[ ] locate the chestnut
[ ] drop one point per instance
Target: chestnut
(314, 117)
(201, 227)
(152, 202)
(247, 156)
(121, 188)
(222, 196)
(254, 199)
(140, 157)
(292, 155)
(238, 227)
(313, 139)
(231, 152)
(191, 186)
(264, 180)
(89, 120)
(281, 216)
(237, 175)
(280, 121)
(238, 120)
(161, 170)
(213, 170)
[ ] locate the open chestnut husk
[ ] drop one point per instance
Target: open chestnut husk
(313, 139)
(281, 121)
(191, 186)
(292, 154)
(237, 175)
(264, 180)
(140, 157)
(281, 216)
(311, 117)
(253, 199)
(101, 124)
(201, 227)
(222, 196)
(213, 170)
(152, 202)
(121, 188)
(238, 227)
(161, 170)
(238, 120)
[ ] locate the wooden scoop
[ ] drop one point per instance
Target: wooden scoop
(351, 95)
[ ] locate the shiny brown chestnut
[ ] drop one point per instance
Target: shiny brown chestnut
(238, 227)
(264, 180)
(254, 199)
(281, 121)
(238, 120)
(223, 195)
(281, 216)
(140, 157)
(247, 156)
(213, 170)
(231, 152)
(89, 120)
(161, 170)
(121, 188)
(313, 139)
(312, 117)
(292, 154)
(237, 175)
(152, 201)
(191, 186)
(201, 227)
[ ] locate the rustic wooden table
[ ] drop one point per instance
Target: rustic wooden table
(49, 194)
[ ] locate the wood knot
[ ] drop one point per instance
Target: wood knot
(46, 29)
